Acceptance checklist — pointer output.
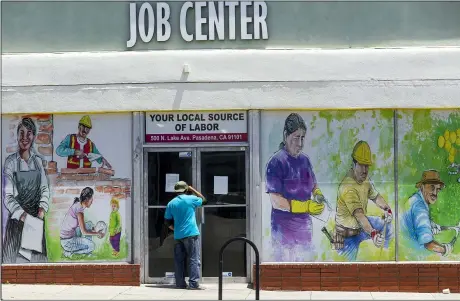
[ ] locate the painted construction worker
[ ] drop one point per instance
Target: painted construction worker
(79, 149)
(353, 225)
(416, 223)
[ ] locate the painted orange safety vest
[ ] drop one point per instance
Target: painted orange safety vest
(74, 161)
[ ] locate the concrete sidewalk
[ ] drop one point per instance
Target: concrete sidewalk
(232, 291)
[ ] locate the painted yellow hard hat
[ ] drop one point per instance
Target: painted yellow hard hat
(362, 153)
(86, 121)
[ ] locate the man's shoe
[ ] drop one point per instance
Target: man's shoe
(196, 288)
(182, 287)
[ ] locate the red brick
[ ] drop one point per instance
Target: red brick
(428, 272)
(393, 288)
(428, 289)
(409, 289)
(271, 283)
(270, 273)
(108, 189)
(410, 272)
(26, 280)
(374, 288)
(348, 272)
(368, 272)
(367, 280)
(290, 273)
(106, 171)
(448, 272)
(388, 271)
(330, 270)
(349, 288)
(46, 279)
(291, 284)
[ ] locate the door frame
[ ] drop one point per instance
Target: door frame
(196, 175)
(205, 149)
(146, 207)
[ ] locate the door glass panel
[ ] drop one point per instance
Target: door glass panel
(161, 245)
(221, 224)
(161, 164)
(223, 164)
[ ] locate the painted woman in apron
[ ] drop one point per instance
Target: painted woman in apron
(26, 193)
(291, 184)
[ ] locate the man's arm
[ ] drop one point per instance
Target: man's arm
(362, 220)
(423, 231)
(381, 203)
(169, 220)
(197, 193)
(101, 160)
(64, 150)
(434, 246)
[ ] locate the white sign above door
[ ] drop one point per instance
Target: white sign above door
(196, 127)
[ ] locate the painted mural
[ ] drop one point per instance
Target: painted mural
(61, 200)
(329, 186)
(428, 185)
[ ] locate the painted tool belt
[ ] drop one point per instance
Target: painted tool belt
(346, 232)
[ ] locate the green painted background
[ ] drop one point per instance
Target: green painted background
(418, 150)
(330, 138)
(36, 26)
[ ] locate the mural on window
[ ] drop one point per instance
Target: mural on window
(61, 200)
(329, 186)
(428, 185)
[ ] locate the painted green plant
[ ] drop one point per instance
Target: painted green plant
(429, 139)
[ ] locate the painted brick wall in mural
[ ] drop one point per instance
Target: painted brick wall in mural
(67, 190)
(328, 181)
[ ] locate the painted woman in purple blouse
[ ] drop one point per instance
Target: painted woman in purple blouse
(291, 184)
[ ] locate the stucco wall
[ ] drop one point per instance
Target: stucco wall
(230, 79)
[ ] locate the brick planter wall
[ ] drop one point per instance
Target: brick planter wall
(373, 277)
(74, 274)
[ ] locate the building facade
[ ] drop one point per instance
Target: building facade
(327, 133)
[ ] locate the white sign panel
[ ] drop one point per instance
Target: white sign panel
(196, 127)
(171, 180)
(220, 185)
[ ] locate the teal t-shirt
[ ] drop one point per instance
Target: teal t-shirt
(182, 210)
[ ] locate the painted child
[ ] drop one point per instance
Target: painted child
(115, 226)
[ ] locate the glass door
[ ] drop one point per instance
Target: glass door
(162, 168)
(223, 179)
(221, 175)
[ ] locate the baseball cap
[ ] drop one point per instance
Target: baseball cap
(180, 186)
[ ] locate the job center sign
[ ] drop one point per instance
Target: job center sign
(196, 127)
(198, 21)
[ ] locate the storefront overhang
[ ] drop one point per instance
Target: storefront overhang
(231, 79)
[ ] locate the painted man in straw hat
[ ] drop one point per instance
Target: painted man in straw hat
(416, 223)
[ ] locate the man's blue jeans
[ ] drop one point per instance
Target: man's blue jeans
(189, 248)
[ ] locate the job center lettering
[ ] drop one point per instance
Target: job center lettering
(212, 20)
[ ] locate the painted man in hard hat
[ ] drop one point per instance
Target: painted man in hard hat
(79, 149)
(352, 223)
(416, 223)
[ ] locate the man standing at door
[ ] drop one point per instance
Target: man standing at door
(180, 217)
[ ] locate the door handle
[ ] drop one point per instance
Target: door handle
(202, 215)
